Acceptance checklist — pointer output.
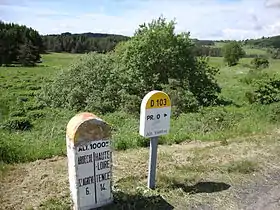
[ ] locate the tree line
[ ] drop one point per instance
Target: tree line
(22, 45)
(82, 43)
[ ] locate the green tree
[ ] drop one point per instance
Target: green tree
(28, 54)
(155, 58)
(232, 52)
(13, 38)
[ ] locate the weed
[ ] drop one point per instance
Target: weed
(36, 114)
(244, 167)
(19, 113)
(17, 123)
(55, 203)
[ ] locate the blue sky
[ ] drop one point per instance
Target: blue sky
(205, 19)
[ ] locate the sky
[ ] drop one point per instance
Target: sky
(204, 19)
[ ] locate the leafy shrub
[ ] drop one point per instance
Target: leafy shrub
(252, 76)
(267, 91)
(90, 83)
(10, 153)
(260, 63)
(154, 59)
(17, 123)
(182, 101)
(274, 113)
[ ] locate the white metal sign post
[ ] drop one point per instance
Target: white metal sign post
(154, 121)
(89, 161)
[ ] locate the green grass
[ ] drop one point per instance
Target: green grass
(46, 136)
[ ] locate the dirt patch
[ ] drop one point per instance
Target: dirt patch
(243, 174)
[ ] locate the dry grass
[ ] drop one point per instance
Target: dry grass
(189, 175)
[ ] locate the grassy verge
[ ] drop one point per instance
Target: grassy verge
(194, 175)
(30, 131)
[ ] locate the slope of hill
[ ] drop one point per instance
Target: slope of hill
(269, 42)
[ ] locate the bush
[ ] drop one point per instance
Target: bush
(253, 76)
(17, 123)
(260, 63)
(182, 101)
(154, 59)
(274, 113)
(90, 83)
(267, 91)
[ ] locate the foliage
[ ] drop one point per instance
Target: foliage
(150, 60)
(208, 51)
(266, 91)
(273, 42)
(36, 114)
(232, 52)
(155, 57)
(274, 53)
(182, 100)
(17, 123)
(44, 139)
(274, 113)
(254, 75)
(260, 63)
(28, 54)
(19, 44)
(81, 43)
(89, 83)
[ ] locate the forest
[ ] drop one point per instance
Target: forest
(23, 45)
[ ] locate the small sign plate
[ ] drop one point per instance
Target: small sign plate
(155, 114)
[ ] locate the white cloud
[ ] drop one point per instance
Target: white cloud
(272, 3)
(205, 19)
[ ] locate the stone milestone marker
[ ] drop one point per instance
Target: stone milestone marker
(89, 156)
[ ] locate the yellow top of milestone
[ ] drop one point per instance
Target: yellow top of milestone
(157, 99)
(87, 127)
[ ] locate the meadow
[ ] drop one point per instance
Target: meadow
(43, 134)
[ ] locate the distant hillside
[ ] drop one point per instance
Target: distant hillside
(81, 43)
(265, 42)
(89, 34)
(203, 42)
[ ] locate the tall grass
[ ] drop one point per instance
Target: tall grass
(46, 136)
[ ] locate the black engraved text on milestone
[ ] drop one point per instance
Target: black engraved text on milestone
(104, 157)
(98, 178)
(94, 145)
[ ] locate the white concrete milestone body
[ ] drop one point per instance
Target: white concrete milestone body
(89, 161)
(155, 114)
